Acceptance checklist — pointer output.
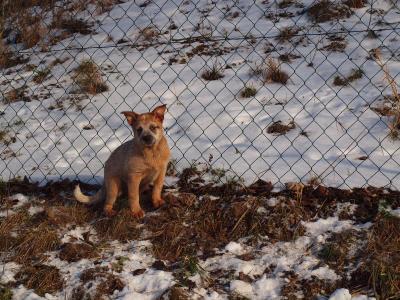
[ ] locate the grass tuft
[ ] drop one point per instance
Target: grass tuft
(395, 97)
(248, 91)
(89, 78)
(325, 10)
(213, 73)
(274, 73)
(41, 75)
(344, 81)
(41, 278)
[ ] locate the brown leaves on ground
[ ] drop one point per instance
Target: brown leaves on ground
(278, 128)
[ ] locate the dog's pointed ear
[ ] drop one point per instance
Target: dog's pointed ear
(131, 116)
(159, 112)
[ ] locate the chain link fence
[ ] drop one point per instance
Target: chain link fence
(291, 90)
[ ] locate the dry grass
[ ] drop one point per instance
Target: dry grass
(34, 241)
(73, 252)
(383, 252)
(355, 3)
(15, 95)
(186, 227)
(325, 10)
(287, 33)
(89, 78)
(148, 34)
(8, 59)
(248, 91)
(286, 3)
(122, 227)
(31, 29)
(395, 124)
(278, 128)
(41, 75)
(214, 72)
(274, 73)
(344, 81)
(108, 283)
(41, 278)
(73, 25)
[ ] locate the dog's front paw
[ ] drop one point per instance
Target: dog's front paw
(109, 212)
(137, 213)
(158, 203)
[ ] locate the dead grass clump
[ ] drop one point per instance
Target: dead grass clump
(344, 81)
(122, 227)
(63, 215)
(89, 78)
(287, 33)
(31, 29)
(73, 25)
(41, 278)
(395, 124)
(8, 59)
(278, 128)
(213, 73)
(108, 282)
(336, 46)
(15, 95)
(383, 255)
(335, 252)
(148, 34)
(33, 242)
(325, 10)
(73, 252)
(274, 73)
(183, 229)
(41, 75)
(286, 3)
(248, 91)
(355, 3)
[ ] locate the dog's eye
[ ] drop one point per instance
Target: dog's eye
(139, 130)
(153, 128)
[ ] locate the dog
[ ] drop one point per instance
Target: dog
(135, 165)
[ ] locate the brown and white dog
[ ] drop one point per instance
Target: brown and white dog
(135, 165)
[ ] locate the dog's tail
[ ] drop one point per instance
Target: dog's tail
(96, 198)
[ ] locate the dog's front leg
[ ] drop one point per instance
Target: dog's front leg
(133, 196)
(157, 188)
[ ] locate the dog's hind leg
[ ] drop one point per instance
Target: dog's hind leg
(113, 188)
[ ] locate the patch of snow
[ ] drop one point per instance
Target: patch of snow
(34, 210)
(7, 271)
(331, 224)
(272, 201)
(340, 294)
(234, 248)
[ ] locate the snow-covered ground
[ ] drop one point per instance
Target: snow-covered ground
(209, 118)
(262, 271)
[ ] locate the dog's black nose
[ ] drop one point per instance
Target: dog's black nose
(148, 139)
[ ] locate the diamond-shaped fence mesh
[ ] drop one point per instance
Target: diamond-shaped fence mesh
(290, 90)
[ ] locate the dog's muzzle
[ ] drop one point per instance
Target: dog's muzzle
(148, 140)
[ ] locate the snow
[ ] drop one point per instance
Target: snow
(234, 248)
(331, 224)
(210, 118)
(264, 288)
(340, 294)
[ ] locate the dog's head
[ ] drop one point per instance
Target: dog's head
(147, 127)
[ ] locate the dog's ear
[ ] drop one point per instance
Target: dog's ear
(159, 112)
(131, 116)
